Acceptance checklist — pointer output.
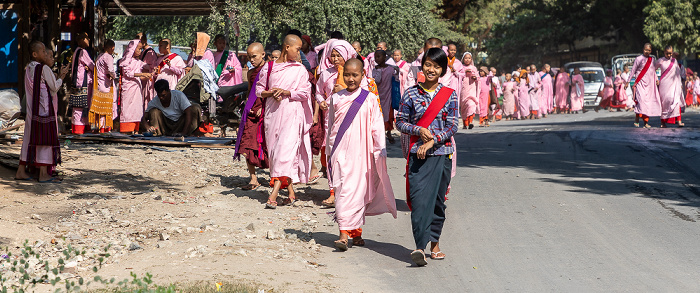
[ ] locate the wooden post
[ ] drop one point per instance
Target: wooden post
(23, 22)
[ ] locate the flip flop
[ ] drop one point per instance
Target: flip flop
(341, 245)
(359, 242)
(271, 205)
(290, 201)
(328, 204)
(250, 187)
(418, 257)
(436, 255)
(314, 179)
(25, 179)
(52, 180)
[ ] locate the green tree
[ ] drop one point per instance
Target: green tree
(674, 22)
(179, 29)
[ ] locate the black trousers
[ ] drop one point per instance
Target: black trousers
(428, 180)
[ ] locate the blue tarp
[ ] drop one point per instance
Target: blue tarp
(8, 46)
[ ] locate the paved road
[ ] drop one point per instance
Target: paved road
(571, 203)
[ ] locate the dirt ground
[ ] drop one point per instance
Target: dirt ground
(177, 213)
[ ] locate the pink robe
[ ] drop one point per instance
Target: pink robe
(457, 76)
(173, 72)
(510, 90)
(608, 90)
(577, 94)
(468, 97)
(360, 177)
(535, 92)
(646, 93)
(484, 99)
(227, 78)
(151, 59)
(561, 88)
(621, 96)
(287, 122)
(44, 154)
(383, 78)
(312, 57)
(523, 99)
(403, 74)
(84, 60)
(104, 66)
(670, 88)
(132, 93)
(630, 98)
(547, 93)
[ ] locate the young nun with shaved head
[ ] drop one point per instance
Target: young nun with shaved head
(252, 139)
(356, 146)
(285, 85)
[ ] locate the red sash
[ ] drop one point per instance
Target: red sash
(162, 63)
(673, 62)
(644, 71)
(428, 117)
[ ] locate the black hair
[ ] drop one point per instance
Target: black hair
(219, 36)
(34, 46)
(337, 35)
(668, 47)
(295, 32)
(161, 86)
(108, 43)
(380, 52)
(438, 56)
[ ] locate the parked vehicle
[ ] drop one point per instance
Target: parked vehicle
(593, 78)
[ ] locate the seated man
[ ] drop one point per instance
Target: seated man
(171, 113)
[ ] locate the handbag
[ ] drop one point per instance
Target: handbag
(79, 94)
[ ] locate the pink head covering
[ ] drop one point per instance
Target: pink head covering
(342, 46)
(129, 54)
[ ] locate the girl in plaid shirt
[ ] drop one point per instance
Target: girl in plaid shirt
(430, 156)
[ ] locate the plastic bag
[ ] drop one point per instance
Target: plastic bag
(10, 106)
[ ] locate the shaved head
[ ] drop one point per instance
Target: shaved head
(382, 46)
(256, 47)
(291, 47)
(36, 46)
(433, 43)
(354, 64)
(256, 54)
(356, 43)
(291, 40)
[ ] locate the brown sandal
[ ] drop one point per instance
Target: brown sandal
(358, 242)
(341, 245)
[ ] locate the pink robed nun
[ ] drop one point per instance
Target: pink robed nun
(561, 89)
(287, 122)
(151, 59)
(547, 93)
(670, 88)
(132, 95)
(106, 79)
(227, 78)
(577, 90)
(523, 99)
(469, 94)
(510, 90)
(83, 61)
(360, 177)
(646, 94)
(484, 99)
(173, 72)
(49, 87)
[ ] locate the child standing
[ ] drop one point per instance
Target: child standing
(40, 147)
(428, 113)
(356, 145)
(383, 75)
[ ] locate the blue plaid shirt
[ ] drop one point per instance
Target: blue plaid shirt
(413, 104)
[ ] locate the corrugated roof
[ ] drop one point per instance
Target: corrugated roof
(162, 7)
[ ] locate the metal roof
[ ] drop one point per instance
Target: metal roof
(162, 7)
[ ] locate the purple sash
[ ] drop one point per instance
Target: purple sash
(673, 62)
(347, 121)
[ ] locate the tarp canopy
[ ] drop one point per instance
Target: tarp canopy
(162, 7)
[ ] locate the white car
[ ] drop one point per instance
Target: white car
(593, 79)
